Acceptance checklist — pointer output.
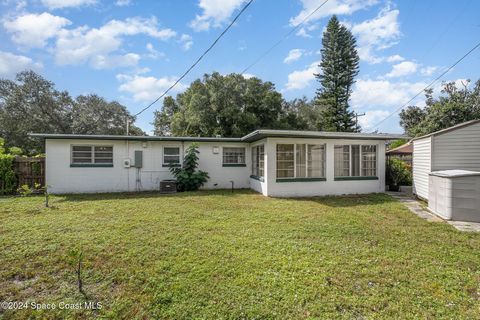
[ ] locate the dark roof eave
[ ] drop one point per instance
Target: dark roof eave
(131, 138)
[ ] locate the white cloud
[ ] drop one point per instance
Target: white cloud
(293, 55)
(153, 53)
(186, 41)
(215, 13)
(338, 7)
(248, 75)
(10, 64)
(428, 71)
(371, 118)
(376, 34)
(33, 30)
(395, 58)
(115, 61)
(122, 3)
(58, 4)
(403, 69)
(302, 78)
(144, 88)
(84, 44)
(383, 93)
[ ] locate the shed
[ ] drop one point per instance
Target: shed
(454, 194)
(454, 148)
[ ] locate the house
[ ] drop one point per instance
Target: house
(280, 163)
(454, 148)
(403, 152)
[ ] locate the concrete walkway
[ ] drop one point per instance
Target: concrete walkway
(414, 206)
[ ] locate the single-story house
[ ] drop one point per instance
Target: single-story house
(454, 148)
(280, 163)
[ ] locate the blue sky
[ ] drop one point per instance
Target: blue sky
(131, 51)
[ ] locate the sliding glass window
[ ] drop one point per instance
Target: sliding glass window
(355, 160)
(300, 161)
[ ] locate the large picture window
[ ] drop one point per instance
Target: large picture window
(171, 156)
(300, 161)
(258, 161)
(355, 161)
(92, 155)
(233, 157)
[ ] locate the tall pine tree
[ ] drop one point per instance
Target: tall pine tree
(339, 66)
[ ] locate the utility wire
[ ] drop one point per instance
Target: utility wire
(283, 38)
(428, 86)
(198, 60)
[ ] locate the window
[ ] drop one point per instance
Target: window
(171, 156)
(92, 155)
(369, 161)
(300, 161)
(258, 161)
(234, 156)
(355, 161)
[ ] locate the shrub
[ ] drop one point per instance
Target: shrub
(188, 177)
(398, 174)
(7, 174)
(16, 151)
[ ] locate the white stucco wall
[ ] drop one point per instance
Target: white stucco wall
(61, 178)
(330, 186)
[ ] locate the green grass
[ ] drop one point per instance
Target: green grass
(217, 255)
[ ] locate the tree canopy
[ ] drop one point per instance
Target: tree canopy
(339, 67)
(227, 105)
(456, 104)
(33, 104)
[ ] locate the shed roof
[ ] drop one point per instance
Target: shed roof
(251, 137)
(455, 127)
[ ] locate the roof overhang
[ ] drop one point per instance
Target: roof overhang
(251, 137)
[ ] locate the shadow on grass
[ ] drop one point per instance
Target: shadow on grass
(355, 200)
(151, 194)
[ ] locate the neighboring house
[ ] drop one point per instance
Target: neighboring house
(403, 152)
(454, 148)
(278, 163)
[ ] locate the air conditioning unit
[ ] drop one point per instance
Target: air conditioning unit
(168, 186)
(126, 163)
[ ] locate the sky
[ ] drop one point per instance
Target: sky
(132, 50)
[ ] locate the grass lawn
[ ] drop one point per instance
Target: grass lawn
(221, 255)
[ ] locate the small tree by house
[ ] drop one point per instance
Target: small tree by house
(188, 177)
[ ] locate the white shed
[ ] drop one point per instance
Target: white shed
(454, 148)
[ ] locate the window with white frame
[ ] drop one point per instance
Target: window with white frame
(258, 161)
(233, 156)
(171, 156)
(300, 161)
(101, 155)
(355, 160)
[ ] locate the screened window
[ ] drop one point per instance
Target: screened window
(355, 161)
(92, 155)
(300, 161)
(171, 155)
(233, 155)
(369, 161)
(258, 162)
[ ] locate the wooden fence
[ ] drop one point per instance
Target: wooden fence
(29, 171)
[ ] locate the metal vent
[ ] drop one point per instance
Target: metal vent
(168, 186)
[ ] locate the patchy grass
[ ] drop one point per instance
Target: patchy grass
(222, 255)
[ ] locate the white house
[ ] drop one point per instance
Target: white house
(277, 163)
(454, 148)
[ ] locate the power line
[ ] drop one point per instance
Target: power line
(428, 86)
(283, 38)
(198, 60)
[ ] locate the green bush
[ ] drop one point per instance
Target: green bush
(16, 151)
(398, 173)
(188, 177)
(7, 174)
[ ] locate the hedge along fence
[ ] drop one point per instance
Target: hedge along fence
(18, 171)
(8, 181)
